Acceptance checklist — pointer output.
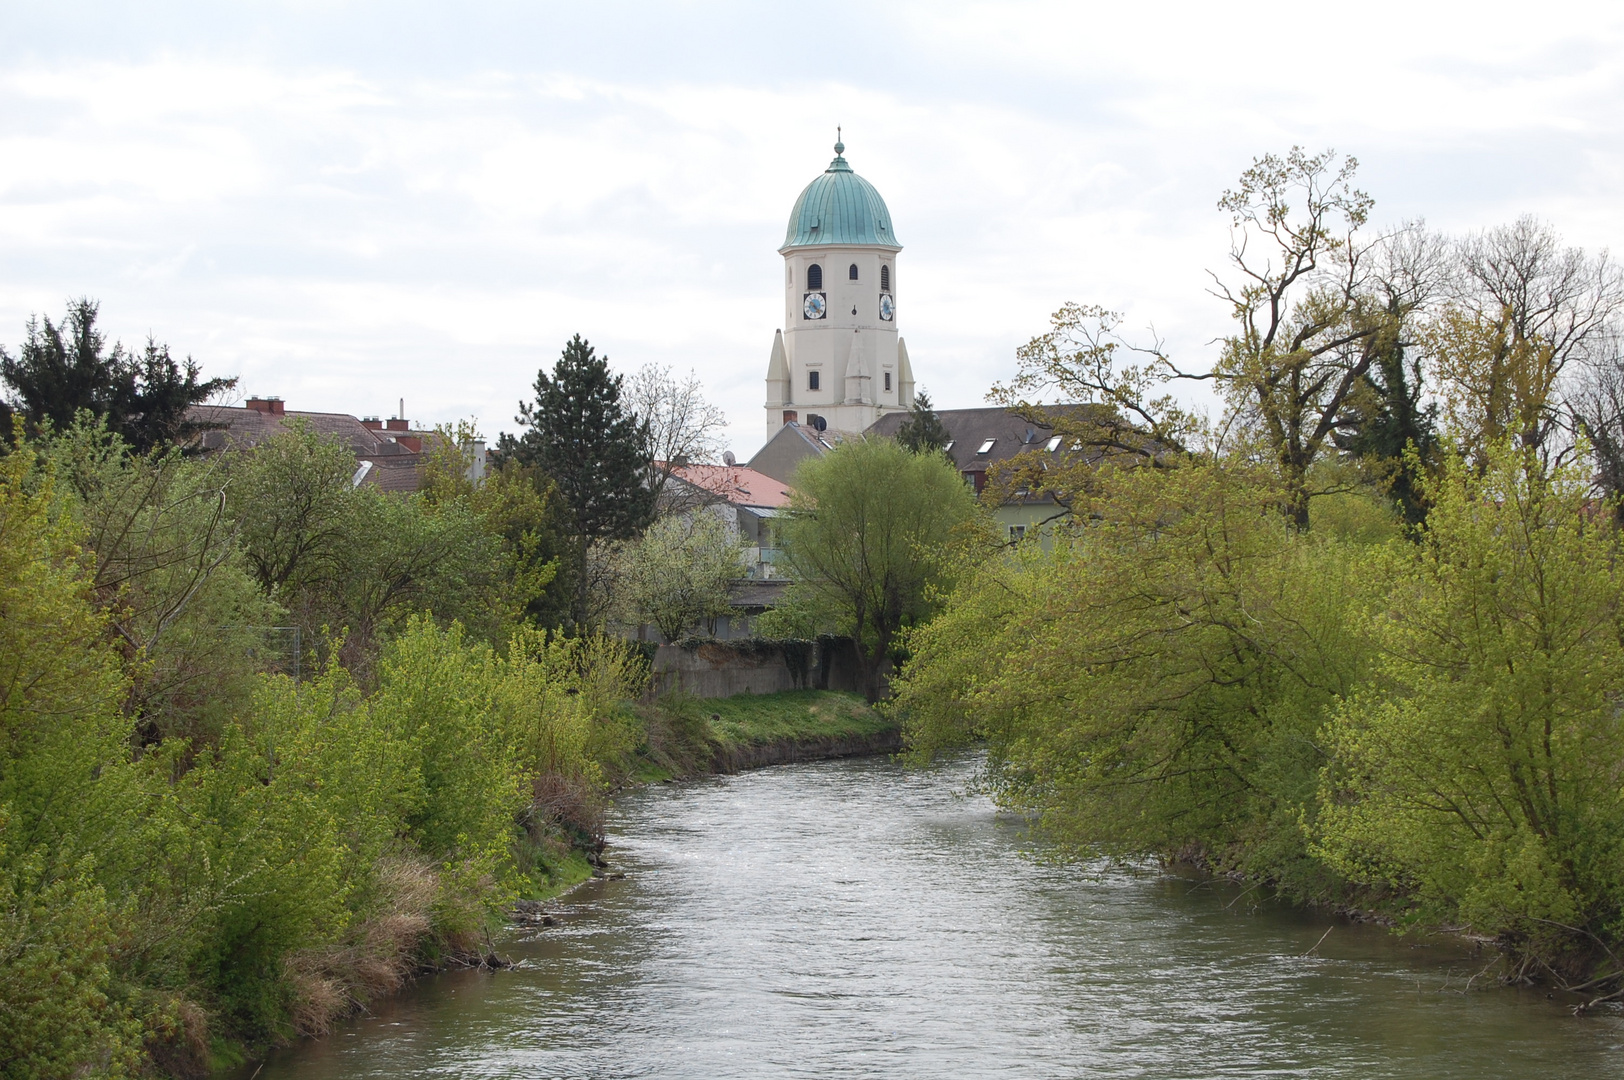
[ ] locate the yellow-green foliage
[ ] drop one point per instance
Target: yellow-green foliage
(247, 877)
(1435, 717)
(1154, 683)
(1479, 767)
(60, 685)
(564, 701)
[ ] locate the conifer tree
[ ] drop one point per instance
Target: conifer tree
(923, 431)
(63, 368)
(580, 433)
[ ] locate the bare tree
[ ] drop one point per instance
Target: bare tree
(1596, 407)
(684, 428)
(1523, 313)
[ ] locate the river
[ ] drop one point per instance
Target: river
(857, 919)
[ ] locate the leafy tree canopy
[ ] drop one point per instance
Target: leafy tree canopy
(677, 573)
(866, 535)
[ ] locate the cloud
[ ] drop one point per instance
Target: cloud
(346, 226)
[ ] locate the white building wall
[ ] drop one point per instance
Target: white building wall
(826, 345)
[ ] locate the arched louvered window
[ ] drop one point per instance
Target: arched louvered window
(885, 279)
(852, 273)
(814, 276)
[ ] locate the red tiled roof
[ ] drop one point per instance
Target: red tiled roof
(735, 483)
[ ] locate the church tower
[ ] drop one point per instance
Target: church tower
(838, 357)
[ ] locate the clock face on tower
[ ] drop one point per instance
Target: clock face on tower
(887, 309)
(813, 306)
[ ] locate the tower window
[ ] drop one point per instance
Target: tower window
(885, 279)
(814, 276)
(811, 380)
(888, 380)
(852, 273)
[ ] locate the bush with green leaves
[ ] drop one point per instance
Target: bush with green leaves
(1477, 769)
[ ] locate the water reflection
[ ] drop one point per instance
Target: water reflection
(854, 919)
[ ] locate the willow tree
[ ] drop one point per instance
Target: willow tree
(866, 535)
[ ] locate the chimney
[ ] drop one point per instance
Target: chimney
(396, 423)
(372, 423)
(272, 406)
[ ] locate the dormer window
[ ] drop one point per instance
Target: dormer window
(986, 446)
(814, 277)
(885, 279)
(852, 273)
(1054, 444)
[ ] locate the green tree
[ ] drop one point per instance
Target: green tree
(1386, 419)
(170, 574)
(676, 574)
(579, 432)
(63, 369)
(1478, 769)
(292, 499)
(1151, 684)
(866, 534)
(524, 510)
(923, 431)
(62, 743)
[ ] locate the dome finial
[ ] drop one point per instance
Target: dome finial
(840, 147)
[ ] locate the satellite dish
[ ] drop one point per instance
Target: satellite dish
(820, 423)
(728, 458)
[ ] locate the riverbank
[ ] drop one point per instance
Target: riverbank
(690, 737)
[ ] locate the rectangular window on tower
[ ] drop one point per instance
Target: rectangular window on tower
(811, 380)
(888, 381)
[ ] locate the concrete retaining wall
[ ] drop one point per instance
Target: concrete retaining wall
(716, 669)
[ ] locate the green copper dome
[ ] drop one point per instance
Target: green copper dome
(839, 207)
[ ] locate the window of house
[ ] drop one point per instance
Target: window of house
(814, 277)
(885, 279)
(948, 445)
(986, 446)
(852, 273)
(888, 380)
(811, 380)
(1054, 444)
(1017, 532)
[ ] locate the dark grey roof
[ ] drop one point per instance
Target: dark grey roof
(969, 429)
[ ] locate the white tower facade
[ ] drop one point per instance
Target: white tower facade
(839, 361)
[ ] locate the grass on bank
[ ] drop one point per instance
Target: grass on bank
(688, 735)
(792, 716)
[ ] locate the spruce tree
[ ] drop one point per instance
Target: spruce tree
(580, 434)
(923, 431)
(62, 369)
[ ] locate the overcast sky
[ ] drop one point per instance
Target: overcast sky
(351, 203)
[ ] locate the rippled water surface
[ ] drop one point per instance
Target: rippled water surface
(856, 919)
